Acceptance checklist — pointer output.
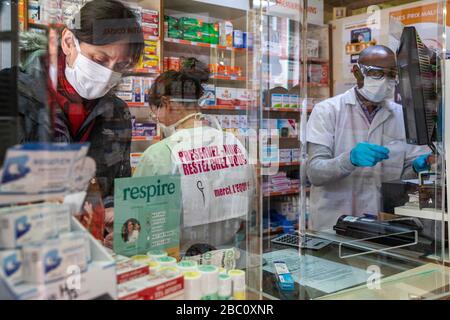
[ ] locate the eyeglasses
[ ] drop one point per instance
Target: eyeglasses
(378, 73)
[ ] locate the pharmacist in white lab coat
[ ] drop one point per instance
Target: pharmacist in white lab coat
(356, 141)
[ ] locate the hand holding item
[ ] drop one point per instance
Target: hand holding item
(368, 155)
(422, 163)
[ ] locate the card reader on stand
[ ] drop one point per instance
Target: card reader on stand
(396, 232)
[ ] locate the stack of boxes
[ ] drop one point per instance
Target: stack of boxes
(134, 89)
(197, 30)
(37, 245)
(157, 276)
(46, 11)
(280, 183)
(290, 155)
(287, 128)
(239, 97)
(284, 100)
(236, 124)
(150, 26)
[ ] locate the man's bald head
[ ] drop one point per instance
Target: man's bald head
(378, 56)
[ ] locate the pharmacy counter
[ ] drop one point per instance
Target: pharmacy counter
(338, 271)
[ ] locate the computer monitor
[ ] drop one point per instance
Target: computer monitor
(417, 88)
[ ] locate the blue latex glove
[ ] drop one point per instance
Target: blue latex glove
(368, 155)
(421, 163)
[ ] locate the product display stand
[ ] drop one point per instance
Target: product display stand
(99, 280)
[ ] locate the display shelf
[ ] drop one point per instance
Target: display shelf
(224, 107)
(144, 71)
(280, 164)
(426, 213)
(134, 139)
(229, 78)
(308, 60)
(296, 110)
(310, 84)
(203, 45)
(317, 85)
(284, 193)
(98, 280)
(137, 104)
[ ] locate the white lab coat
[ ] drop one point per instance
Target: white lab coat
(339, 123)
(214, 202)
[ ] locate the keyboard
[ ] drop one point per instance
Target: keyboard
(293, 240)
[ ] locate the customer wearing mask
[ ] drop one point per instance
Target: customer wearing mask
(356, 141)
(210, 163)
(89, 63)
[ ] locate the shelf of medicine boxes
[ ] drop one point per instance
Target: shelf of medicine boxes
(204, 45)
(42, 26)
(143, 72)
(309, 109)
(284, 193)
(308, 60)
(152, 139)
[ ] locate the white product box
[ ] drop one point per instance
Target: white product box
(294, 101)
(234, 121)
(225, 96)
(286, 98)
(277, 100)
(11, 265)
(38, 171)
(285, 155)
(25, 224)
(126, 84)
(269, 154)
(34, 9)
(137, 90)
(74, 236)
(244, 97)
(52, 260)
(285, 152)
(146, 87)
(312, 48)
(209, 95)
(129, 269)
(97, 281)
(134, 159)
(243, 124)
(125, 96)
(226, 121)
(238, 39)
(285, 158)
(219, 119)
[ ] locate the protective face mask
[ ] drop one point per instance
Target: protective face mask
(167, 131)
(90, 79)
(377, 90)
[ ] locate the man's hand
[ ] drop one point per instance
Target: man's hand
(368, 155)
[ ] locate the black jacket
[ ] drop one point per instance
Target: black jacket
(109, 139)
